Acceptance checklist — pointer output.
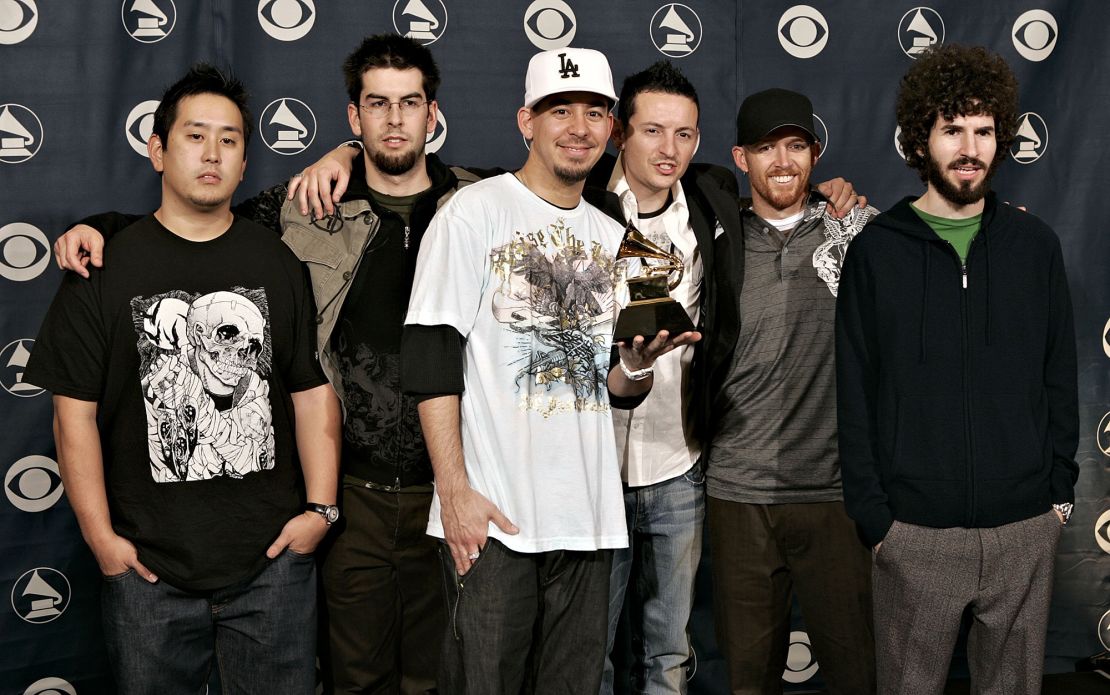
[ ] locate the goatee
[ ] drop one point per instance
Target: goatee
(394, 165)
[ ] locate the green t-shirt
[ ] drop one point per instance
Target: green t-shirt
(959, 233)
(402, 205)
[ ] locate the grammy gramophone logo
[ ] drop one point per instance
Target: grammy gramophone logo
(420, 20)
(287, 125)
(20, 133)
(148, 21)
(920, 29)
(676, 30)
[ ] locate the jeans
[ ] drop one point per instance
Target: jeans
(261, 633)
(525, 622)
(665, 528)
(383, 602)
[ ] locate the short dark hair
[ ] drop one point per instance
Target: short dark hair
(390, 51)
(659, 77)
(202, 78)
(949, 81)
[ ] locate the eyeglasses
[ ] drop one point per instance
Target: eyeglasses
(380, 108)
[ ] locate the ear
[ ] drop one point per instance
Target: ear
(740, 157)
(154, 150)
(697, 142)
(433, 116)
(618, 136)
(816, 150)
(352, 120)
(524, 118)
(243, 168)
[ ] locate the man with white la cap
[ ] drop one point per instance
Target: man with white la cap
(510, 323)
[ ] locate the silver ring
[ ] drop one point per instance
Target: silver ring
(474, 555)
(298, 174)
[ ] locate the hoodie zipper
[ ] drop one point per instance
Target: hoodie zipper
(969, 467)
(406, 242)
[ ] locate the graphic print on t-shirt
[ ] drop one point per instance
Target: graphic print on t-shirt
(555, 293)
(204, 361)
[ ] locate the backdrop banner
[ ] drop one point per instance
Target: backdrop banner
(79, 82)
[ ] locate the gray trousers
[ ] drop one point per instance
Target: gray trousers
(923, 579)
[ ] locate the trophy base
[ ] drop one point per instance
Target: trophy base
(650, 316)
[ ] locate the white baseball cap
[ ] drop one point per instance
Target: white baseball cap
(568, 70)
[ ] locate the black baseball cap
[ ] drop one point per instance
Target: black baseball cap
(771, 109)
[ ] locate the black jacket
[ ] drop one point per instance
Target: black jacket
(957, 395)
(700, 183)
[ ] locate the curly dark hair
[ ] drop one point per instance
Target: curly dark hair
(953, 80)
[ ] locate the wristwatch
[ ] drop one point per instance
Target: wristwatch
(330, 512)
(1065, 510)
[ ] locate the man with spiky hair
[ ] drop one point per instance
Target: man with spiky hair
(198, 438)
(957, 394)
(380, 571)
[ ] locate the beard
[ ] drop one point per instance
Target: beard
(776, 197)
(962, 192)
(395, 164)
(208, 202)
(568, 176)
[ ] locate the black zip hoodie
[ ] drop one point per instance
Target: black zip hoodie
(956, 385)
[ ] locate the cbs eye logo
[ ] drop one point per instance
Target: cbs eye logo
(435, 139)
(801, 665)
(1102, 531)
(286, 20)
(50, 686)
(33, 484)
(1034, 35)
(18, 19)
(139, 125)
(803, 31)
(24, 251)
(549, 24)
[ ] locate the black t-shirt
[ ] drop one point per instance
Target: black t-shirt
(191, 350)
(382, 439)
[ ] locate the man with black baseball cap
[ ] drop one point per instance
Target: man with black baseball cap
(510, 323)
(777, 523)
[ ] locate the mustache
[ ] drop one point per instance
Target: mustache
(965, 161)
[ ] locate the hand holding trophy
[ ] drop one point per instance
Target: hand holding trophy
(650, 308)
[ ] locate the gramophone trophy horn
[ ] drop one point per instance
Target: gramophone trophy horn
(650, 308)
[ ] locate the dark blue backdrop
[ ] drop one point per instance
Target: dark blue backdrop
(78, 80)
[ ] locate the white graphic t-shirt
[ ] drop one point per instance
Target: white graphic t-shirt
(530, 286)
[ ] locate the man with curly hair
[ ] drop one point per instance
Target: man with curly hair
(957, 393)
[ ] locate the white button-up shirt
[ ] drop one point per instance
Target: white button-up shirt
(654, 441)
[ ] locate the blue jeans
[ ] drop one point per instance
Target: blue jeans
(664, 528)
(261, 632)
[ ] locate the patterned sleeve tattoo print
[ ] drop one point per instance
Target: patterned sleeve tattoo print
(204, 364)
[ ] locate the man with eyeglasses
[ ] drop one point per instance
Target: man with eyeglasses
(381, 577)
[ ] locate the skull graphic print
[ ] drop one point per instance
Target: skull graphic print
(204, 362)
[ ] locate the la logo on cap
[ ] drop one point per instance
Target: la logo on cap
(567, 67)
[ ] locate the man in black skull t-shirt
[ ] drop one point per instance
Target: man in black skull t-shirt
(191, 419)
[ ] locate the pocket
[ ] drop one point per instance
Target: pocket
(929, 439)
(118, 577)
(460, 578)
(299, 556)
(696, 475)
(884, 549)
(1008, 442)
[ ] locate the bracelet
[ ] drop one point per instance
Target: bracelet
(637, 375)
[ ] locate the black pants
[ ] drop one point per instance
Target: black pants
(384, 605)
(762, 553)
(525, 622)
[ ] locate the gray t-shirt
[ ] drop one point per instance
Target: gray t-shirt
(774, 417)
